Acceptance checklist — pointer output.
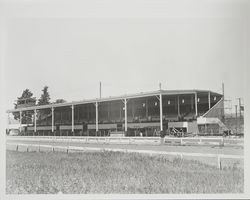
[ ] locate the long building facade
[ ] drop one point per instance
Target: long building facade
(146, 114)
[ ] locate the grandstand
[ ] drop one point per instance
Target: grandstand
(143, 114)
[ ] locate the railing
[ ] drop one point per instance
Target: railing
(220, 141)
(53, 147)
(204, 141)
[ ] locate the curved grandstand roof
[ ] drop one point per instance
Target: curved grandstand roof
(125, 96)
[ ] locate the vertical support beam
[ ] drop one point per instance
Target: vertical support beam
(192, 102)
(146, 108)
(108, 105)
(239, 107)
(20, 122)
(133, 110)
(209, 100)
(96, 116)
(52, 121)
(222, 110)
(178, 105)
(72, 118)
(196, 106)
(125, 113)
(161, 123)
(78, 114)
(35, 120)
(61, 116)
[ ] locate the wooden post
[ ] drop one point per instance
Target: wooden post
(178, 105)
(219, 162)
(72, 119)
(35, 120)
(20, 124)
(161, 123)
(96, 116)
(125, 113)
(209, 100)
(52, 120)
(196, 106)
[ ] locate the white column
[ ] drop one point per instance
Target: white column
(209, 100)
(35, 120)
(72, 118)
(52, 122)
(125, 113)
(161, 124)
(178, 105)
(196, 107)
(20, 122)
(96, 116)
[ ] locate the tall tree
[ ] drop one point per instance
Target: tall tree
(44, 100)
(45, 97)
(25, 100)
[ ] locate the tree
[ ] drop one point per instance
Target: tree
(25, 100)
(45, 97)
(44, 100)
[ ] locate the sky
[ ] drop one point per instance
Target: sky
(130, 46)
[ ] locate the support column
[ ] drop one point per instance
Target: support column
(125, 113)
(96, 116)
(146, 105)
(178, 105)
(35, 120)
(161, 123)
(72, 118)
(196, 106)
(209, 100)
(52, 121)
(20, 122)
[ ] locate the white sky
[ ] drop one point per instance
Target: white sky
(130, 46)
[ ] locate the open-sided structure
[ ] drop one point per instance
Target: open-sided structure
(144, 113)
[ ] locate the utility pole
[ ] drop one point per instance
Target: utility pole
(239, 106)
(222, 109)
(100, 89)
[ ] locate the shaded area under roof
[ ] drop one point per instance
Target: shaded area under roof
(127, 96)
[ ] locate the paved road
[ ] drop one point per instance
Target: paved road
(188, 149)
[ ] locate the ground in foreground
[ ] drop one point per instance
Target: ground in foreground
(114, 172)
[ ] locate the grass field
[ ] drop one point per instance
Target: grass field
(113, 172)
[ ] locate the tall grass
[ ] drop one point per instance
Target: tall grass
(114, 172)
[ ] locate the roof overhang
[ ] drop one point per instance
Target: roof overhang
(130, 96)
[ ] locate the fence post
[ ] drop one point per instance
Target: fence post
(219, 162)
(222, 142)
(27, 148)
(17, 147)
(181, 141)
